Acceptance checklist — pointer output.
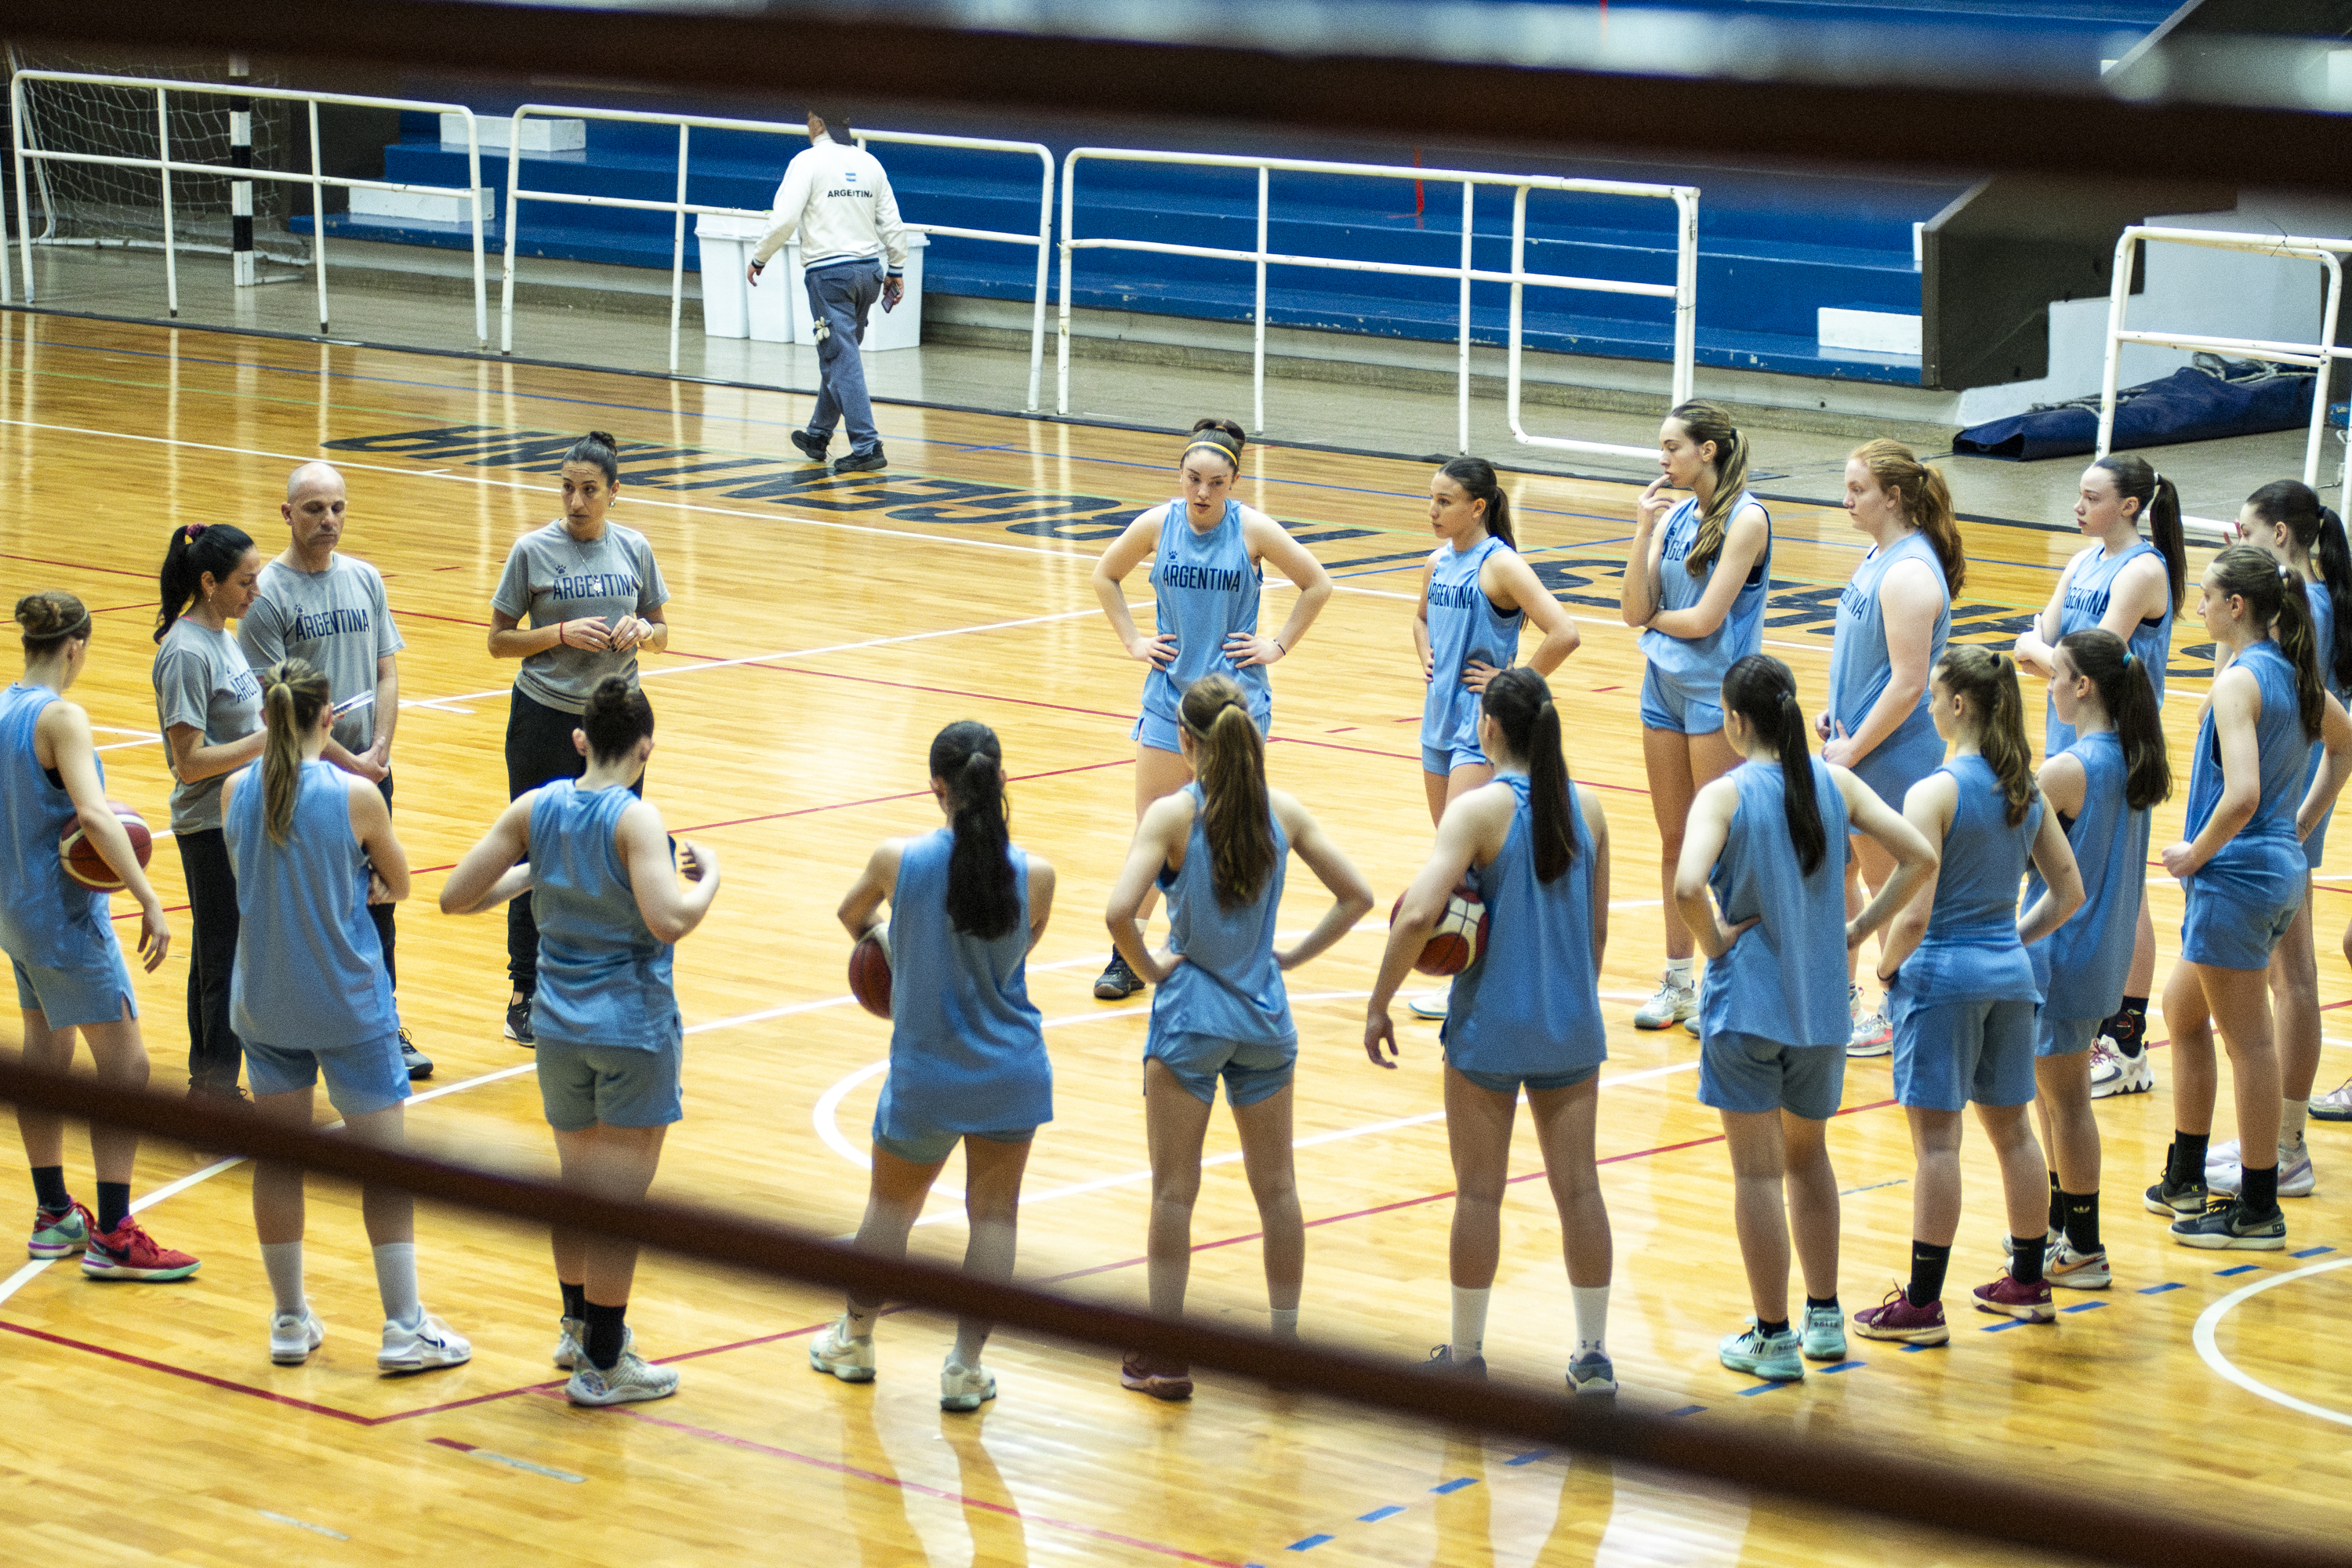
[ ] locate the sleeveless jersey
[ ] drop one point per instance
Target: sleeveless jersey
(1971, 953)
(1464, 624)
(1785, 979)
(2091, 954)
(1859, 672)
(1204, 588)
(47, 919)
(967, 1047)
(2262, 863)
(2088, 588)
(1531, 1003)
(2323, 623)
(604, 978)
(309, 965)
(1228, 988)
(1700, 663)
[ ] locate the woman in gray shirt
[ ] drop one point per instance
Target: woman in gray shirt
(208, 706)
(591, 597)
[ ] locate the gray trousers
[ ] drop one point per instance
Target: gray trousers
(840, 298)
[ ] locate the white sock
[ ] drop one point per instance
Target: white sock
(1469, 1322)
(284, 1261)
(1592, 1317)
(2292, 1113)
(1285, 1322)
(395, 1281)
(861, 1321)
(1678, 970)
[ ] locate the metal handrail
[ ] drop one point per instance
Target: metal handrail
(1683, 291)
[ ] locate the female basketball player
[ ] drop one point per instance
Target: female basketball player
(1963, 994)
(2242, 869)
(1891, 621)
(311, 997)
(1218, 846)
(208, 706)
(1770, 840)
(1204, 581)
(967, 1048)
(2133, 589)
(1525, 1013)
(1698, 595)
(2102, 787)
(594, 596)
(606, 1022)
(58, 938)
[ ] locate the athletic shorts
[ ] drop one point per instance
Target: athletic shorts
(620, 1086)
(1668, 704)
(2315, 848)
(2227, 931)
(1251, 1071)
(930, 1147)
(93, 993)
(1512, 1082)
(1950, 1053)
(1442, 760)
(2056, 1036)
(1902, 760)
(1158, 733)
(361, 1079)
(1749, 1073)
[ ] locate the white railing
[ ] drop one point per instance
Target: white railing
(2317, 356)
(165, 166)
(1683, 291)
(680, 206)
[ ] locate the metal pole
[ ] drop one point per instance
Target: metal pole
(23, 212)
(1044, 255)
(474, 185)
(677, 252)
(1062, 348)
(318, 218)
(1461, 393)
(2326, 370)
(1686, 295)
(1257, 352)
(163, 162)
(1519, 293)
(514, 180)
(2119, 296)
(240, 191)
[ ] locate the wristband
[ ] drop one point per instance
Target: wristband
(1277, 645)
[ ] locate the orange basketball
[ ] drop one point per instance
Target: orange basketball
(85, 864)
(1458, 937)
(869, 972)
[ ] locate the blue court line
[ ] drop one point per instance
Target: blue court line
(1309, 1544)
(1842, 1366)
(1455, 1484)
(2012, 1323)
(1914, 1349)
(2083, 1307)
(1529, 1457)
(2159, 1290)
(2311, 1252)
(1765, 1388)
(2240, 1268)
(1379, 1513)
(1688, 1410)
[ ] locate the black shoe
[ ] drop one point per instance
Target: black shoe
(1117, 983)
(862, 462)
(233, 1093)
(518, 1022)
(418, 1064)
(1440, 1361)
(812, 445)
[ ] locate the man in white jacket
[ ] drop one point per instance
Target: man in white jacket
(854, 251)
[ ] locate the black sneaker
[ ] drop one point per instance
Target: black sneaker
(518, 1022)
(418, 1064)
(862, 462)
(1117, 983)
(2228, 1223)
(1441, 1361)
(2188, 1198)
(198, 1089)
(812, 445)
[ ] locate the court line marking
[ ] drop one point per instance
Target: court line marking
(2211, 1319)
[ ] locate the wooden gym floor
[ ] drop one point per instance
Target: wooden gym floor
(824, 631)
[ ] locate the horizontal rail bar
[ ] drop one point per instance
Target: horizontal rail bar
(1399, 269)
(2313, 354)
(242, 90)
(2310, 247)
(577, 199)
(347, 182)
(1384, 172)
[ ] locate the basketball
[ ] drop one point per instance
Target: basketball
(869, 972)
(85, 864)
(1458, 937)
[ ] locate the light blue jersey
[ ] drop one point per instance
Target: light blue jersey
(1970, 953)
(966, 1046)
(2323, 623)
(1204, 588)
(1530, 1005)
(1228, 988)
(309, 966)
(1699, 664)
(604, 978)
(2262, 859)
(1464, 624)
(1859, 672)
(1785, 979)
(47, 919)
(2089, 957)
(2089, 586)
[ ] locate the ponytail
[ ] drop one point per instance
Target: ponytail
(2159, 504)
(1987, 682)
(982, 901)
(1520, 704)
(1927, 501)
(2290, 504)
(1760, 690)
(1476, 477)
(1703, 423)
(293, 696)
(1229, 759)
(2129, 694)
(2275, 602)
(196, 549)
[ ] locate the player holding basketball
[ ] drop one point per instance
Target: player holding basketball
(69, 970)
(1697, 597)
(1892, 622)
(1525, 1013)
(968, 1059)
(2243, 872)
(594, 597)
(1220, 846)
(2133, 589)
(1476, 594)
(1770, 839)
(311, 997)
(208, 706)
(1963, 992)
(611, 1044)
(1205, 577)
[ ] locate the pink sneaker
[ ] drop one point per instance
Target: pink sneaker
(1896, 1319)
(2027, 1303)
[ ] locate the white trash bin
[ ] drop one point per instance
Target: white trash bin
(727, 244)
(898, 329)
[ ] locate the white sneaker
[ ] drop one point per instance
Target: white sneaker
(2336, 1105)
(847, 1356)
(965, 1388)
(293, 1336)
(630, 1380)
(1676, 999)
(2224, 1175)
(420, 1346)
(1429, 1005)
(571, 1341)
(2112, 1072)
(1872, 1035)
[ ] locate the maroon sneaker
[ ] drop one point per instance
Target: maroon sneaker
(1152, 1374)
(2027, 1303)
(1896, 1319)
(127, 1252)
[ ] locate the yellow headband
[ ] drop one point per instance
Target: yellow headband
(1219, 447)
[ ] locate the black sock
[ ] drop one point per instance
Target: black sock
(1828, 1301)
(2260, 1193)
(1927, 1268)
(2025, 1259)
(2057, 1205)
(2082, 1222)
(113, 1205)
(1779, 1327)
(2184, 1165)
(575, 1300)
(2128, 1027)
(49, 1189)
(604, 1334)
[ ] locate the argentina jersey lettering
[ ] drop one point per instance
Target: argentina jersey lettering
(315, 626)
(1204, 589)
(594, 585)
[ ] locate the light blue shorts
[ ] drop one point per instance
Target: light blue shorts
(2228, 931)
(1251, 1071)
(2056, 1036)
(1442, 760)
(93, 993)
(1158, 733)
(1512, 1082)
(1950, 1053)
(361, 1079)
(1749, 1073)
(930, 1148)
(620, 1086)
(1668, 704)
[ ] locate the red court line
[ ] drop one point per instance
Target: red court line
(192, 1376)
(79, 566)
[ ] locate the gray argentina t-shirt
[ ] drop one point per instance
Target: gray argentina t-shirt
(337, 619)
(202, 679)
(552, 576)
